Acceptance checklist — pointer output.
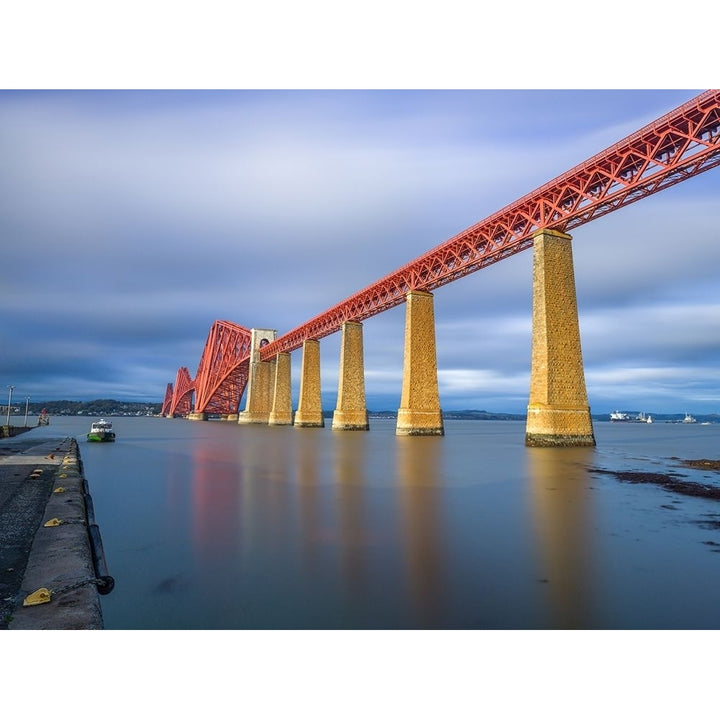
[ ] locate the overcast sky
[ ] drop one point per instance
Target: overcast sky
(131, 220)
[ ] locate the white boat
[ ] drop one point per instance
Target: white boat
(101, 431)
(689, 418)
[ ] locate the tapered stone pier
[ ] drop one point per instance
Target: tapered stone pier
(260, 382)
(309, 411)
(419, 412)
(558, 411)
(351, 411)
(281, 413)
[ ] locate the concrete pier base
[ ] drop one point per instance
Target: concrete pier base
(569, 427)
(260, 382)
(197, 416)
(419, 412)
(419, 422)
(558, 411)
(351, 411)
(281, 413)
(309, 411)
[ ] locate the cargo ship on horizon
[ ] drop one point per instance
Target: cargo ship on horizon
(624, 417)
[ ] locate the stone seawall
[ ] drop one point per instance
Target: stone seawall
(8, 431)
(48, 565)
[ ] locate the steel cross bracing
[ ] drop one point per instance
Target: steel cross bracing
(677, 146)
(223, 370)
(182, 393)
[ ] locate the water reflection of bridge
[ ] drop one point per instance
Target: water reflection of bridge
(344, 531)
(562, 504)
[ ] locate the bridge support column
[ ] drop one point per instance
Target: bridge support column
(309, 411)
(419, 412)
(281, 413)
(558, 411)
(351, 411)
(197, 416)
(260, 382)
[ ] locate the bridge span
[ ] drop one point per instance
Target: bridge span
(679, 145)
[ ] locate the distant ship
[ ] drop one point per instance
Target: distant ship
(619, 417)
(689, 418)
(627, 418)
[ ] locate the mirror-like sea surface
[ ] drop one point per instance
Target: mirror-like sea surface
(210, 525)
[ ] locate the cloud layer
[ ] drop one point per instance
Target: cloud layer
(132, 220)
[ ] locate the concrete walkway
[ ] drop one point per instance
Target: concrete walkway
(42, 482)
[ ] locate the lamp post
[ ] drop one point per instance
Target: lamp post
(12, 387)
(27, 402)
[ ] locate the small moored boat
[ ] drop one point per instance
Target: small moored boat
(101, 431)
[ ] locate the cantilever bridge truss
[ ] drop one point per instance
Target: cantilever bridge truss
(223, 370)
(167, 402)
(181, 402)
(221, 376)
(677, 146)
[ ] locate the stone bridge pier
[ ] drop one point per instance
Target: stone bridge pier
(558, 413)
(419, 412)
(258, 403)
(351, 411)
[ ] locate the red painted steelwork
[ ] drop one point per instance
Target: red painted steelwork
(679, 145)
(223, 370)
(182, 394)
(167, 402)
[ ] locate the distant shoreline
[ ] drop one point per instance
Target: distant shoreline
(115, 408)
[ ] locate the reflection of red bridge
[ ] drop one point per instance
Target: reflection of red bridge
(677, 146)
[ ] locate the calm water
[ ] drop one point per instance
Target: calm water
(219, 526)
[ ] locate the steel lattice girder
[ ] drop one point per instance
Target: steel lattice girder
(182, 394)
(223, 370)
(167, 402)
(677, 146)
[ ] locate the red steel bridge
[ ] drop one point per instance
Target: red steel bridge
(681, 144)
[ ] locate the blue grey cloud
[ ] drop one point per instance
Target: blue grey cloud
(132, 220)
